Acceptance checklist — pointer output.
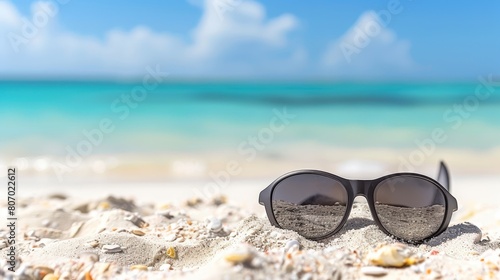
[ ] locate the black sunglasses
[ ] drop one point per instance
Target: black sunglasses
(316, 204)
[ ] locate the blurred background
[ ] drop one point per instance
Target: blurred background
(216, 90)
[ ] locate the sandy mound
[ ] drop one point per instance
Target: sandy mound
(114, 238)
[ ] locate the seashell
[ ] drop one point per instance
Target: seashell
(89, 256)
(104, 205)
(31, 233)
(291, 243)
(75, 228)
(111, 249)
(219, 200)
(3, 244)
(180, 239)
(65, 276)
(100, 268)
(307, 269)
(165, 213)
(491, 258)
(214, 225)
(137, 220)
(164, 206)
(50, 276)
(139, 267)
(42, 271)
(170, 237)
(192, 202)
(51, 233)
(92, 243)
(59, 196)
(373, 271)
(138, 232)
(165, 267)
(171, 253)
(393, 255)
(84, 275)
(239, 255)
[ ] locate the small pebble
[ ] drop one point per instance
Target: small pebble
(373, 271)
(92, 244)
(195, 201)
(420, 268)
(111, 249)
(219, 200)
(214, 225)
(275, 234)
(46, 222)
(307, 276)
(139, 267)
(138, 232)
(239, 255)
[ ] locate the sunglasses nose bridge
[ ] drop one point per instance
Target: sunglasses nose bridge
(360, 187)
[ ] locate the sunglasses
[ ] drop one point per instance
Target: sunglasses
(316, 204)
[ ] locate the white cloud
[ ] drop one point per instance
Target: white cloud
(243, 39)
(369, 50)
(8, 14)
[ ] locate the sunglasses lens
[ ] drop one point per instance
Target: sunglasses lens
(410, 207)
(310, 204)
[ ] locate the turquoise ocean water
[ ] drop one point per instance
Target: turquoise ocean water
(43, 119)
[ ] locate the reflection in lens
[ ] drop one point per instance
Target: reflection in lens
(409, 207)
(312, 205)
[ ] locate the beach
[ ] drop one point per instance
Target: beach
(168, 187)
(160, 231)
(136, 139)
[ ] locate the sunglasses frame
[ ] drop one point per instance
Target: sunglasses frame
(366, 188)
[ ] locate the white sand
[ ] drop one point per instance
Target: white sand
(68, 236)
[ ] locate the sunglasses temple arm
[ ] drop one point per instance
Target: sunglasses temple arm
(444, 176)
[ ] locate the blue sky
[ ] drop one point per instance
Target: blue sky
(425, 40)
